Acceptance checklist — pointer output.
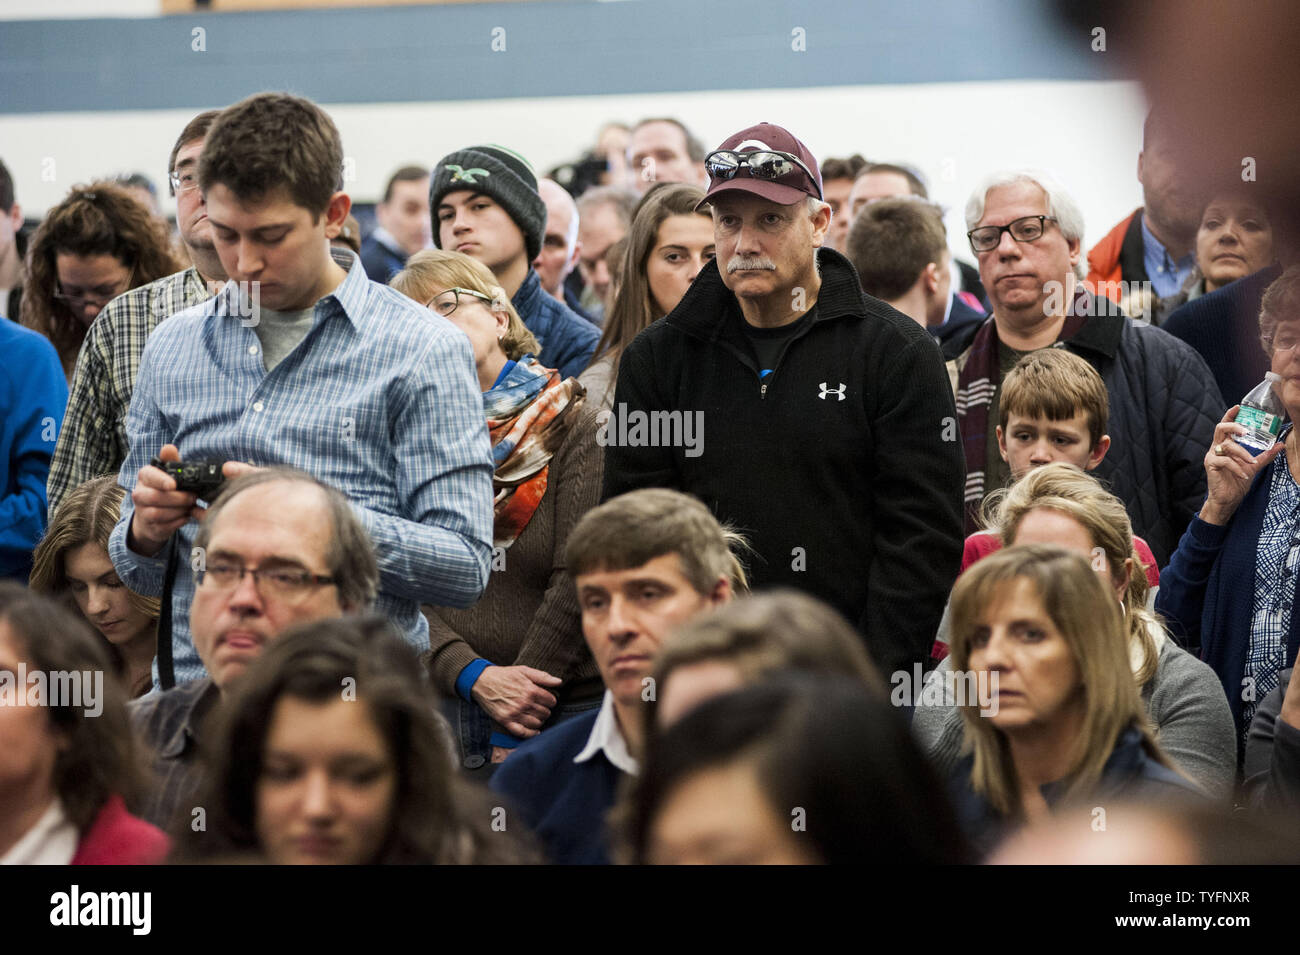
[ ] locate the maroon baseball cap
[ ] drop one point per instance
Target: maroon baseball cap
(787, 189)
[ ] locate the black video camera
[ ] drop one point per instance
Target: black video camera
(201, 478)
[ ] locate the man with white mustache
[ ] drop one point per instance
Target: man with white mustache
(829, 430)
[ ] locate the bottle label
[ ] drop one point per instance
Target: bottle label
(1259, 420)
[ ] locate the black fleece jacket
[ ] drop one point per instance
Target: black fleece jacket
(843, 467)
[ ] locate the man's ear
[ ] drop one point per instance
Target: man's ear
(336, 213)
(930, 276)
(821, 223)
(1002, 444)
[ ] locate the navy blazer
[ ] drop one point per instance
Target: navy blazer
(562, 802)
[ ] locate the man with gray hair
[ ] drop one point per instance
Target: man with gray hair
(813, 418)
(277, 548)
(1027, 234)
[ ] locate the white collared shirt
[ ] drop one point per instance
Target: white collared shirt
(52, 841)
(606, 735)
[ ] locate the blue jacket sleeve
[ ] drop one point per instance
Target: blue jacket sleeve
(35, 393)
(1181, 598)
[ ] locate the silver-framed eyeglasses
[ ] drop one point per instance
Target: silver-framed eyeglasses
(447, 302)
(1024, 229)
(1282, 342)
(183, 182)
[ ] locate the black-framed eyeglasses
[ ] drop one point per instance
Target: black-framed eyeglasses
(276, 581)
(447, 302)
(183, 182)
(766, 164)
(1024, 229)
(96, 296)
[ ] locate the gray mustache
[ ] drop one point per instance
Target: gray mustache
(740, 262)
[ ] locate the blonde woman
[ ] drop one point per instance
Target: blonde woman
(1060, 504)
(1064, 724)
(72, 562)
(516, 662)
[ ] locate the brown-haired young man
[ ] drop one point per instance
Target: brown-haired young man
(900, 250)
(302, 360)
(93, 439)
(643, 563)
(837, 183)
(402, 224)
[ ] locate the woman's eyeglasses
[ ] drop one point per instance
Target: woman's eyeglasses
(98, 297)
(448, 301)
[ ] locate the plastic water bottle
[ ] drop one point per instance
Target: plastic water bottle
(1263, 416)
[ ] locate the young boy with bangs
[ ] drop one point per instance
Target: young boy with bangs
(1053, 407)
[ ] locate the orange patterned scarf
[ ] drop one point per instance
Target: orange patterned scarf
(529, 414)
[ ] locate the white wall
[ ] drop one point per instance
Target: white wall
(77, 9)
(955, 133)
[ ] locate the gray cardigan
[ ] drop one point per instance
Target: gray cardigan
(1185, 703)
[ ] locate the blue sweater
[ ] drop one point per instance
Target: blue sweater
(33, 394)
(567, 341)
(562, 802)
(1207, 592)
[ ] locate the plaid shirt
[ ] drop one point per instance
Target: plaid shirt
(167, 726)
(380, 400)
(92, 441)
(1277, 559)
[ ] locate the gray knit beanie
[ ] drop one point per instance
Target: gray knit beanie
(501, 174)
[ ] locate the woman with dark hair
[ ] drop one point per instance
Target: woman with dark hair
(330, 752)
(515, 662)
(94, 245)
(67, 759)
(791, 770)
(72, 561)
(667, 245)
(1054, 716)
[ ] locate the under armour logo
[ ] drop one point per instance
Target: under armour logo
(466, 175)
(838, 392)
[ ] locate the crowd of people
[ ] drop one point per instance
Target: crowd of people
(687, 505)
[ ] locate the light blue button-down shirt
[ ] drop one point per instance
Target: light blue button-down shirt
(1167, 276)
(380, 399)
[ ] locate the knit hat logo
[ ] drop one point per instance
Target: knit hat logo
(459, 174)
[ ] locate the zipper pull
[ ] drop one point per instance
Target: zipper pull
(762, 391)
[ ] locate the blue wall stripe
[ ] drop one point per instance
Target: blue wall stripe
(444, 52)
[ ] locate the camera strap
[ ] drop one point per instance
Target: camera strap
(166, 670)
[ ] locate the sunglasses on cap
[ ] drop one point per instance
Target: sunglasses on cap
(763, 164)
